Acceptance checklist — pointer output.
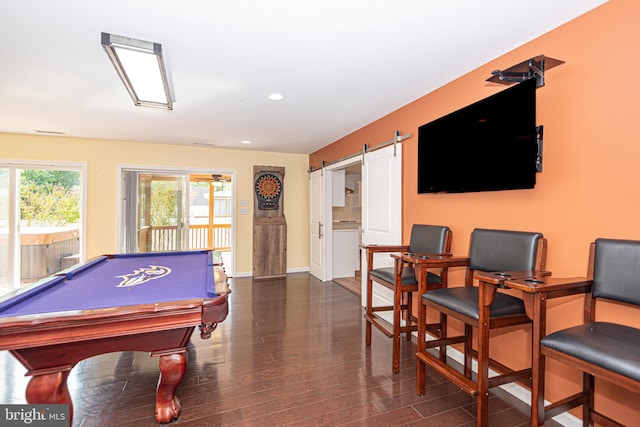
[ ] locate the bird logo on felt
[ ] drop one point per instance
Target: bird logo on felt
(143, 275)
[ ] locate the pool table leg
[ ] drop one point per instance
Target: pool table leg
(172, 369)
(49, 386)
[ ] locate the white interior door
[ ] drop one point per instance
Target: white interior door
(381, 210)
(317, 240)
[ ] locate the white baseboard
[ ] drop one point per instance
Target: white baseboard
(298, 270)
(243, 274)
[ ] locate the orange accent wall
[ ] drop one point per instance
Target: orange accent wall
(590, 186)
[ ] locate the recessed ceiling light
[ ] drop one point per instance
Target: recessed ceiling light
(246, 141)
(275, 96)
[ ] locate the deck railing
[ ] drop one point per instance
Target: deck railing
(164, 238)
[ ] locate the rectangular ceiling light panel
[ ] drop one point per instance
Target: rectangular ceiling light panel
(140, 65)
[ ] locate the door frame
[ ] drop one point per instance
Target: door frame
(327, 182)
(328, 209)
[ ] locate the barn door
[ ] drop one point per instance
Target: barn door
(381, 210)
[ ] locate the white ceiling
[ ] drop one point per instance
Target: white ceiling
(340, 63)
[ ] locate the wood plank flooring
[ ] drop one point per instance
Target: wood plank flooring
(291, 353)
(352, 284)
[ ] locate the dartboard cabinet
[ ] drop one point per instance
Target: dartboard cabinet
(269, 223)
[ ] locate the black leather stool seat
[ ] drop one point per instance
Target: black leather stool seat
(465, 301)
(608, 345)
(408, 276)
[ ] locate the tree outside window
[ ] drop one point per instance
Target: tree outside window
(49, 198)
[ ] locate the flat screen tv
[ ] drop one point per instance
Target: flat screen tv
(487, 146)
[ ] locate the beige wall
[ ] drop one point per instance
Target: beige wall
(590, 186)
(103, 157)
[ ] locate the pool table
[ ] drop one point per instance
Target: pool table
(128, 302)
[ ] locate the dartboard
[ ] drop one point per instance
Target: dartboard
(268, 186)
(268, 189)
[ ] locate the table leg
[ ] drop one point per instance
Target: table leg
(369, 312)
(172, 369)
(486, 296)
(50, 387)
(422, 330)
(369, 307)
(536, 305)
(397, 311)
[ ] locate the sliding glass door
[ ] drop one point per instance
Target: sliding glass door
(40, 221)
(173, 210)
(156, 211)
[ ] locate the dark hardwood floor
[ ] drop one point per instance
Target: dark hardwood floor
(291, 353)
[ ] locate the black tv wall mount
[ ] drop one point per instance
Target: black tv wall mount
(534, 67)
(539, 130)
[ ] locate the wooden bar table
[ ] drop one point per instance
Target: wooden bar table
(421, 264)
(537, 288)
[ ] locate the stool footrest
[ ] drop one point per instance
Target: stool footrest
(466, 384)
(384, 326)
(565, 404)
(444, 341)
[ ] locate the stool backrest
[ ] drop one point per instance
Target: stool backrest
(430, 239)
(616, 270)
(502, 250)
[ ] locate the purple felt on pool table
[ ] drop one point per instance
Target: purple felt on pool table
(95, 285)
